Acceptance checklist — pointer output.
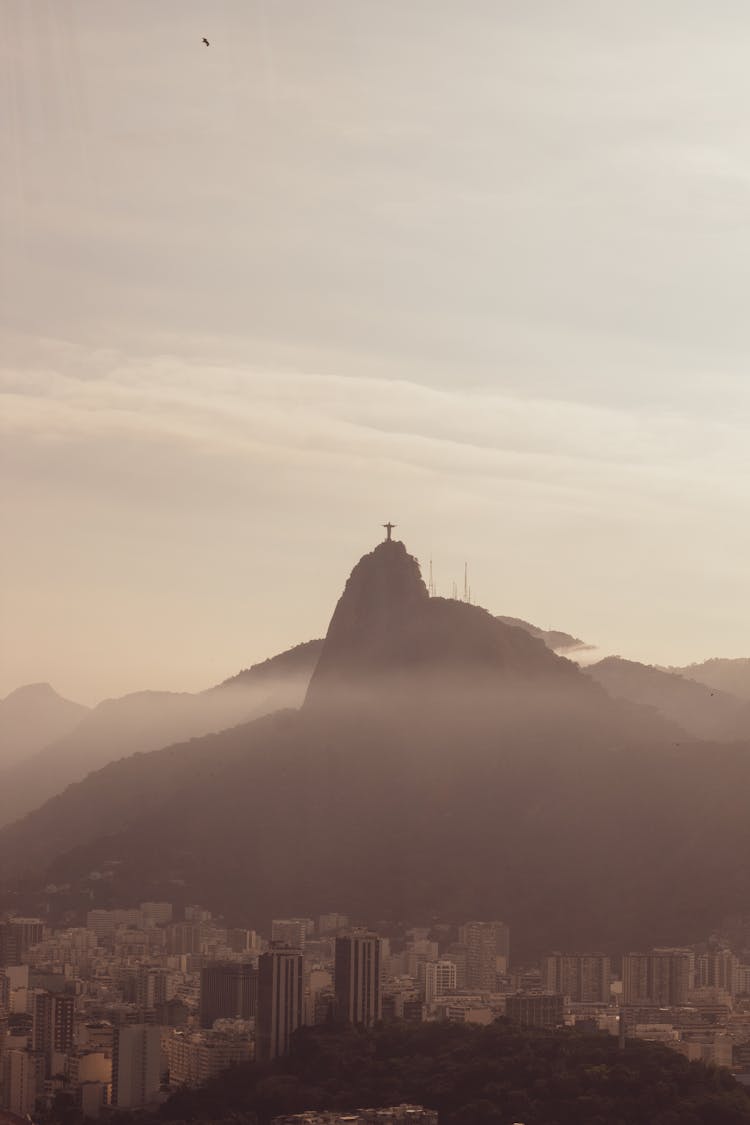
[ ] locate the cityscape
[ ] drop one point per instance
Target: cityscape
(374, 616)
(135, 1003)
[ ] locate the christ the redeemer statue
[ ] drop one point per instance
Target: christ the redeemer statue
(389, 528)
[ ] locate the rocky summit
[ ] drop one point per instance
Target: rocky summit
(387, 633)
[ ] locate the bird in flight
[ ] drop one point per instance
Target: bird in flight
(204, 40)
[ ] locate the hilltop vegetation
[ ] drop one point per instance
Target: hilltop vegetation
(473, 1076)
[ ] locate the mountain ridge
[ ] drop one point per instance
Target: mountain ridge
(474, 771)
(702, 711)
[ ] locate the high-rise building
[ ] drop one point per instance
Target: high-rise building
(156, 913)
(105, 922)
(16, 936)
(136, 1066)
(280, 995)
(184, 937)
(151, 986)
(23, 1073)
(243, 941)
(439, 978)
(419, 951)
(457, 954)
(357, 978)
(636, 979)
(584, 977)
(229, 990)
(718, 968)
(662, 978)
(332, 923)
(292, 932)
(197, 914)
(52, 1017)
(487, 951)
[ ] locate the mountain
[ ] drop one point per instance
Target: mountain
(149, 720)
(296, 664)
(31, 717)
(388, 640)
(701, 711)
(443, 764)
(553, 638)
(723, 675)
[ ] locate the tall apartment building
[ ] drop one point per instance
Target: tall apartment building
(584, 977)
(418, 952)
(151, 986)
(104, 922)
(292, 932)
(156, 913)
(332, 923)
(52, 1017)
(184, 937)
(457, 954)
(23, 1074)
(228, 990)
(718, 968)
(136, 1065)
(243, 941)
(662, 978)
(439, 978)
(487, 950)
(357, 978)
(280, 995)
(16, 936)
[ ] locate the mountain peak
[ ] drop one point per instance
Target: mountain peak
(31, 717)
(386, 625)
(27, 692)
(383, 592)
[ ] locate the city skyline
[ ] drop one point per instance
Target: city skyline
(123, 1006)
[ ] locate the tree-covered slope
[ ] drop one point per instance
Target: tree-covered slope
(496, 1075)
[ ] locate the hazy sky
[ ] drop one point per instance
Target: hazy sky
(480, 268)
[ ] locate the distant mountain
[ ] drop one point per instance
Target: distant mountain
(149, 720)
(30, 718)
(298, 662)
(703, 712)
(443, 764)
(723, 675)
(553, 638)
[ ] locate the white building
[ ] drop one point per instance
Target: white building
(194, 1058)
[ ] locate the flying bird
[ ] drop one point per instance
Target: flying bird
(204, 40)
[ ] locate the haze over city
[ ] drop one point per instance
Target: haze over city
(479, 272)
(374, 677)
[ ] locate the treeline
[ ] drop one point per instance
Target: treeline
(472, 1076)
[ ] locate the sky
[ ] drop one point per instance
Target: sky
(481, 269)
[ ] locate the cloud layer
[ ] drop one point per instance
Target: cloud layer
(480, 272)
